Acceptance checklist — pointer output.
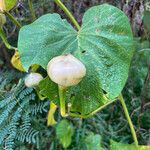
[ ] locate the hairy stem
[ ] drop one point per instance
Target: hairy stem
(4, 39)
(68, 13)
(13, 19)
(32, 10)
(120, 97)
(62, 92)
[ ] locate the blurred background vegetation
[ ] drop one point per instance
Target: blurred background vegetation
(23, 117)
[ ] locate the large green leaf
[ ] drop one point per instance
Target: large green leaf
(119, 146)
(104, 44)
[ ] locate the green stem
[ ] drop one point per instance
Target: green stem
(13, 19)
(120, 97)
(31, 9)
(4, 39)
(92, 113)
(62, 92)
(68, 13)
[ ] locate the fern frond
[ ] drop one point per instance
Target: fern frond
(39, 108)
(18, 110)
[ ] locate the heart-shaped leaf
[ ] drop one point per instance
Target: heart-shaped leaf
(104, 44)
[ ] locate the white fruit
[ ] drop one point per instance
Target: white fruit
(66, 70)
(33, 79)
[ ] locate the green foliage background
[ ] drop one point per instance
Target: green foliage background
(23, 116)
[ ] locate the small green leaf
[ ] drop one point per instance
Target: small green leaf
(64, 132)
(7, 4)
(119, 146)
(49, 89)
(15, 61)
(10, 4)
(93, 142)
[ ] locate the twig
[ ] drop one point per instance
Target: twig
(68, 13)
(13, 19)
(32, 10)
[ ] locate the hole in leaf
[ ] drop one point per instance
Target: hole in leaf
(104, 91)
(77, 113)
(83, 51)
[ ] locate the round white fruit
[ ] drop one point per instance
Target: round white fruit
(66, 70)
(33, 79)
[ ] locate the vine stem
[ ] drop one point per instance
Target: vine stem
(62, 91)
(68, 13)
(13, 19)
(4, 39)
(32, 10)
(120, 97)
